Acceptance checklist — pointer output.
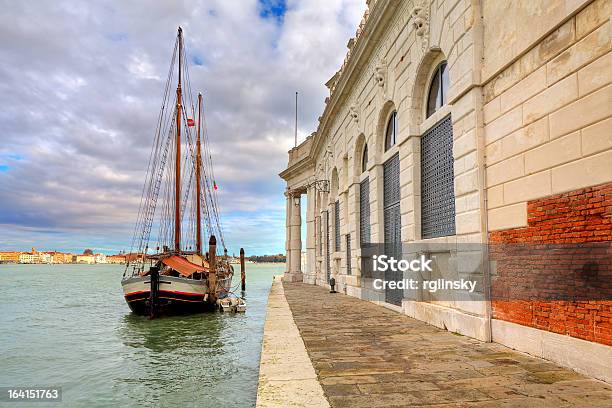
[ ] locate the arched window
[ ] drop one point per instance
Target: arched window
(391, 132)
(364, 159)
(438, 89)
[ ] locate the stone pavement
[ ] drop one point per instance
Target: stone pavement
(368, 356)
(286, 375)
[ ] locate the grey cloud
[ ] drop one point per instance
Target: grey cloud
(81, 84)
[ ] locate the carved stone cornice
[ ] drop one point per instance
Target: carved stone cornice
(379, 14)
(307, 163)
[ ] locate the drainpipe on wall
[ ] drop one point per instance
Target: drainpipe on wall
(481, 162)
(486, 265)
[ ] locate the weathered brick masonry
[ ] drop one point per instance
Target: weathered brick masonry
(575, 217)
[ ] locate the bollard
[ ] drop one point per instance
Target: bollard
(153, 294)
(212, 273)
(332, 285)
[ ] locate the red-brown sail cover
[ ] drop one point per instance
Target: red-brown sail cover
(182, 265)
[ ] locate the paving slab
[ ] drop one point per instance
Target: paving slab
(365, 355)
(286, 375)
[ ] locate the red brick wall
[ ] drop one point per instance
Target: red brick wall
(575, 217)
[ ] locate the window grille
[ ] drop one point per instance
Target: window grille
(364, 211)
(437, 181)
(348, 254)
(392, 224)
(327, 257)
(337, 226)
(320, 235)
(391, 181)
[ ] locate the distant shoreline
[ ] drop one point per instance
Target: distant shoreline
(268, 263)
(260, 263)
(53, 264)
(122, 264)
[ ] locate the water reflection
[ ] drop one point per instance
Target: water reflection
(199, 331)
(172, 359)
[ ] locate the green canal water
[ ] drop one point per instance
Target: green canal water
(68, 326)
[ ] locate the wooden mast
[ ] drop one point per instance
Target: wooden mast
(177, 169)
(198, 177)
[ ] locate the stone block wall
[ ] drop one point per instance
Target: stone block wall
(547, 117)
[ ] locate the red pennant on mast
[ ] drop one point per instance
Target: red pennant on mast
(190, 122)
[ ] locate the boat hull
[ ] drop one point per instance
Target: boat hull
(176, 295)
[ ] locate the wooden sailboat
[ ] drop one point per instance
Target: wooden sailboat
(178, 276)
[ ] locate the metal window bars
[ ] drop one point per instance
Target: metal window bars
(437, 181)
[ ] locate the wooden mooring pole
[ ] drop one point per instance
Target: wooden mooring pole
(212, 273)
(153, 294)
(242, 270)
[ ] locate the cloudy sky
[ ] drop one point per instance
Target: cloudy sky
(81, 86)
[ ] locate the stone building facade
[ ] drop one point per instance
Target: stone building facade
(466, 121)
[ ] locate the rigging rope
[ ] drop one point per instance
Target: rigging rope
(160, 175)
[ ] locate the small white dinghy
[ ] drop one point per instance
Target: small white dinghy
(232, 303)
(241, 306)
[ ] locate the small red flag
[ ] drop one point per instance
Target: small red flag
(190, 122)
(215, 185)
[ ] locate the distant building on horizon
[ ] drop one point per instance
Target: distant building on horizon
(115, 259)
(84, 259)
(29, 257)
(60, 257)
(133, 256)
(9, 257)
(35, 256)
(44, 257)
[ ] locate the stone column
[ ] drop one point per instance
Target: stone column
(310, 236)
(321, 277)
(295, 268)
(288, 232)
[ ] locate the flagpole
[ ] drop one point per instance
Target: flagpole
(296, 116)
